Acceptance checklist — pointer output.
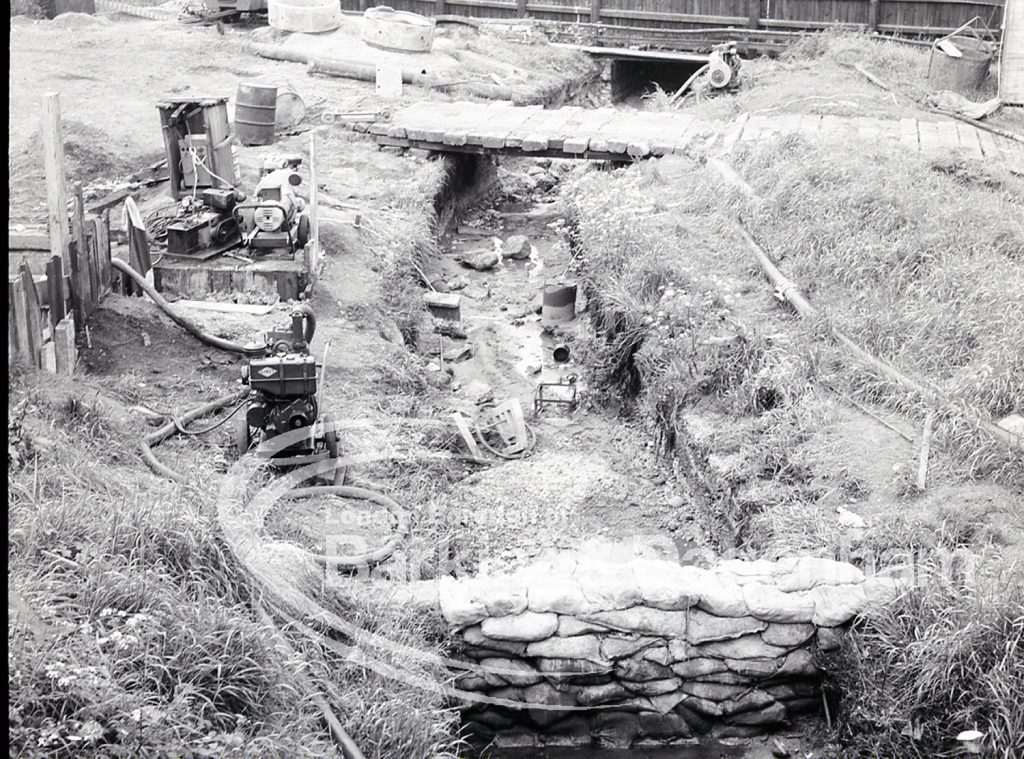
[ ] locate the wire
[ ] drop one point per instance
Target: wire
(181, 427)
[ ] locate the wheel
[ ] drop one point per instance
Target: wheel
(336, 476)
(242, 438)
(302, 233)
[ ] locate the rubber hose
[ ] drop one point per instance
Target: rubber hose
(217, 342)
(309, 321)
(159, 435)
(359, 561)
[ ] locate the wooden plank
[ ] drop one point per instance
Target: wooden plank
(969, 140)
(103, 251)
(13, 320)
(595, 11)
(31, 316)
(989, 146)
(55, 290)
(494, 131)
(532, 134)
(590, 126)
(56, 177)
(48, 358)
(314, 202)
(949, 139)
(64, 346)
(928, 131)
(1011, 63)
(908, 134)
(27, 241)
(754, 13)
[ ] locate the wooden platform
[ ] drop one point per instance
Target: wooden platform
(620, 134)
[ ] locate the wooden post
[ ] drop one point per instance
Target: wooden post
(55, 290)
(521, 8)
(440, 7)
(595, 11)
(754, 13)
(56, 178)
(872, 15)
(64, 346)
(314, 216)
(13, 322)
(103, 251)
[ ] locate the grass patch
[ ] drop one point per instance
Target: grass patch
(941, 659)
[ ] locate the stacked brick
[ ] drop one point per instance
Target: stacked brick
(581, 650)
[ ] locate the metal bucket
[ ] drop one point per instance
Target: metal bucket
(559, 302)
(387, 28)
(255, 113)
(964, 74)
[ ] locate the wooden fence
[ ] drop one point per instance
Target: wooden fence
(900, 17)
(72, 260)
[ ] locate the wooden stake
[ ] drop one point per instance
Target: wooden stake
(926, 443)
(30, 335)
(314, 193)
(56, 178)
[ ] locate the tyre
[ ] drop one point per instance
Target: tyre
(242, 438)
(302, 233)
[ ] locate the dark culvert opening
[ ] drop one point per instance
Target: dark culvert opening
(634, 79)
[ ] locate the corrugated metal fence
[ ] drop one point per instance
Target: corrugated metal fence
(904, 17)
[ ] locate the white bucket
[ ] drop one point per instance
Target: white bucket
(304, 15)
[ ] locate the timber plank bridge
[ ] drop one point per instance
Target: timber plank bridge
(623, 135)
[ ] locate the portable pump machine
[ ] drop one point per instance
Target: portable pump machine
(284, 399)
(277, 219)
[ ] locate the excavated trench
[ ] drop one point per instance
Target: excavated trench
(482, 205)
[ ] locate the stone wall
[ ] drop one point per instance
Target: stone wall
(647, 650)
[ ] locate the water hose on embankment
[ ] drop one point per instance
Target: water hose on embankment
(211, 340)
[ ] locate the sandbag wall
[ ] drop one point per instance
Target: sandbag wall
(584, 651)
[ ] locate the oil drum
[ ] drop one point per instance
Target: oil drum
(255, 113)
(559, 302)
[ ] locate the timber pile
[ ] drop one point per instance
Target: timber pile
(594, 651)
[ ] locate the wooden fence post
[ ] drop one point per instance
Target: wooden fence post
(754, 13)
(30, 334)
(440, 7)
(55, 290)
(595, 11)
(872, 15)
(521, 8)
(314, 195)
(56, 178)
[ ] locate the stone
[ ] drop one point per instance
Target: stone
(769, 603)
(557, 595)
(723, 597)
(577, 647)
(787, 635)
(546, 703)
(667, 702)
(596, 695)
(614, 730)
(516, 247)
(569, 626)
(524, 674)
(806, 572)
(665, 585)
(573, 730)
(481, 260)
(698, 723)
(799, 663)
(880, 590)
(638, 669)
(830, 638)
(743, 572)
(713, 691)
(458, 604)
(772, 714)
(836, 604)
(695, 669)
(657, 654)
(571, 669)
(753, 668)
(527, 626)
(617, 646)
(654, 687)
(747, 647)
(750, 700)
(500, 597)
(663, 727)
(640, 619)
(703, 627)
(475, 637)
(609, 587)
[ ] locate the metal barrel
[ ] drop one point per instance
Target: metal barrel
(559, 302)
(255, 113)
(964, 74)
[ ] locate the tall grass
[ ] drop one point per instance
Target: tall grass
(138, 635)
(941, 659)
